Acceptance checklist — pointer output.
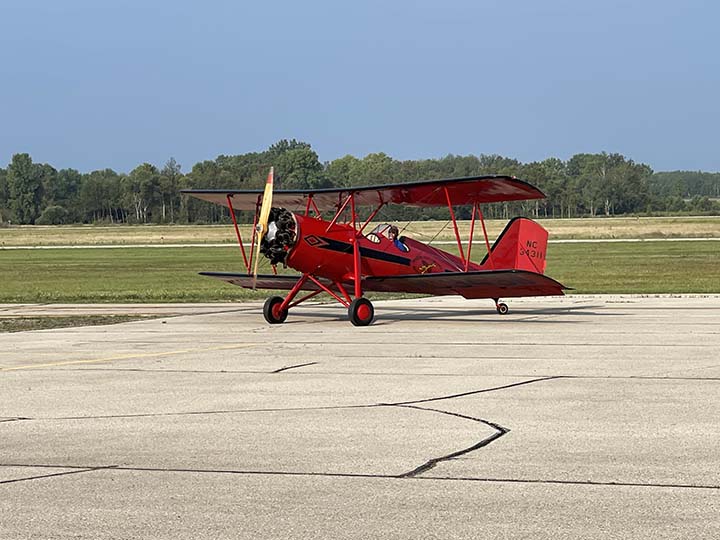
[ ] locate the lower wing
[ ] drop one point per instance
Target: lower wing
(266, 281)
(483, 284)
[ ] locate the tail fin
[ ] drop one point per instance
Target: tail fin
(521, 246)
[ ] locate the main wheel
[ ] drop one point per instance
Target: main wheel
(272, 312)
(502, 308)
(361, 312)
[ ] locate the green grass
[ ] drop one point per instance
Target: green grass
(640, 268)
(119, 275)
(24, 324)
(170, 274)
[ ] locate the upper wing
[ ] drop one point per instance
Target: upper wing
(483, 284)
(475, 189)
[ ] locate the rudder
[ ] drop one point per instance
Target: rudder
(521, 246)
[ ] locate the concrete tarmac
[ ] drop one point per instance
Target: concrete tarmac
(575, 417)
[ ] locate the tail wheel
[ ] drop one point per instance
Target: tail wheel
(502, 308)
(272, 312)
(361, 312)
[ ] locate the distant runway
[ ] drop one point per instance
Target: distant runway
(574, 417)
(444, 242)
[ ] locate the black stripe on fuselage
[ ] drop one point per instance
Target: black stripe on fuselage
(346, 247)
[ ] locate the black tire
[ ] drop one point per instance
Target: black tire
(361, 312)
(271, 310)
(502, 308)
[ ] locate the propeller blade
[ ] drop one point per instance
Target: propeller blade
(262, 224)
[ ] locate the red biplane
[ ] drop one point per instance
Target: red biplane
(340, 258)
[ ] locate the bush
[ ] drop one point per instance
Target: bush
(53, 215)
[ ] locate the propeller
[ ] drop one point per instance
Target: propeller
(262, 224)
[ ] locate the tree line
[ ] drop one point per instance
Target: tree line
(584, 185)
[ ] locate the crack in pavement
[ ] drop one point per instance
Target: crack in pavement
(79, 469)
(573, 482)
(293, 367)
(200, 413)
(291, 409)
(76, 470)
(414, 474)
(481, 391)
(499, 432)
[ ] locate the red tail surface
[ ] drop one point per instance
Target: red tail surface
(521, 246)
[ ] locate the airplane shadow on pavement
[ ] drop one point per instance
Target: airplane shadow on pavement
(390, 315)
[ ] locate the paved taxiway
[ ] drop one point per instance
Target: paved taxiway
(579, 417)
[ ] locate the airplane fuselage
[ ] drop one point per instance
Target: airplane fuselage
(327, 250)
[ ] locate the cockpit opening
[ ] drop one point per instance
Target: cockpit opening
(389, 232)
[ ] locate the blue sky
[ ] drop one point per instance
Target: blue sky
(90, 84)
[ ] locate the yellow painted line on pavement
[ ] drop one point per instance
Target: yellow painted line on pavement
(128, 357)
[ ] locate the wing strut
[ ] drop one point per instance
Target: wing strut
(455, 227)
(470, 239)
(254, 235)
(237, 232)
(370, 218)
(487, 242)
(311, 202)
(340, 210)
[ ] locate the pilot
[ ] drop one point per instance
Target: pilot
(393, 232)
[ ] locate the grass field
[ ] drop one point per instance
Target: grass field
(170, 274)
(23, 324)
(617, 227)
(639, 268)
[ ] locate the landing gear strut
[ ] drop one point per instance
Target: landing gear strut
(361, 312)
(272, 312)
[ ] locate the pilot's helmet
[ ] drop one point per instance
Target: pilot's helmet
(394, 230)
